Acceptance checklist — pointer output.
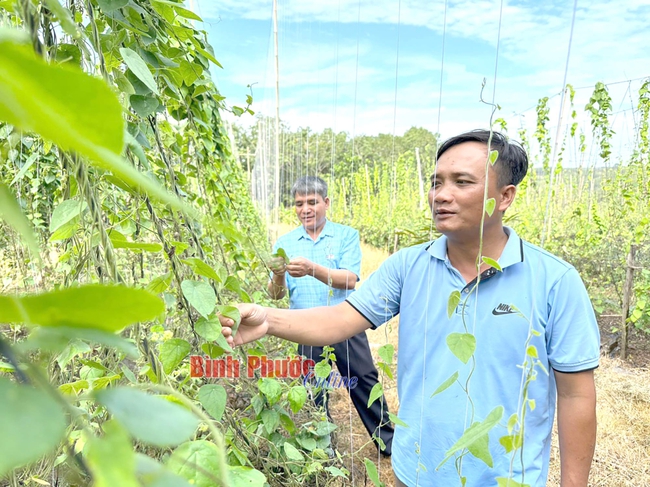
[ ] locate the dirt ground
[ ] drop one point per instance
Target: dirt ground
(622, 457)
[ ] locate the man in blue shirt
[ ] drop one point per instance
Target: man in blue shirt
(324, 267)
(493, 332)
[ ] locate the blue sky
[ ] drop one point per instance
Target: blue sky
(340, 66)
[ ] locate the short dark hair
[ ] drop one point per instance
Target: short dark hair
(309, 185)
(512, 163)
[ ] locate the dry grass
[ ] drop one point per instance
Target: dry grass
(623, 446)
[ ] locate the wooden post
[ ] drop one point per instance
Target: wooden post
(627, 297)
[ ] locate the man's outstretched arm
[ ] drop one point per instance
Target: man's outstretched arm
(315, 326)
(576, 418)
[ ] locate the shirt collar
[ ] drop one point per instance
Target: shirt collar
(327, 231)
(513, 252)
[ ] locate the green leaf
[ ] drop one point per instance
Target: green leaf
(139, 68)
(65, 212)
(322, 369)
(182, 12)
(65, 19)
(531, 351)
(452, 303)
(233, 313)
(208, 328)
(297, 397)
(32, 424)
(172, 353)
(281, 253)
(446, 384)
(198, 463)
(511, 442)
(145, 246)
(506, 482)
(110, 5)
(11, 213)
(512, 422)
(111, 459)
(494, 156)
(213, 398)
(61, 103)
(397, 421)
(292, 452)
(492, 263)
(108, 308)
(202, 269)
(373, 474)
(271, 389)
(462, 345)
(490, 204)
(386, 353)
(270, 419)
(481, 450)
(324, 428)
(153, 474)
(72, 109)
(160, 283)
(246, 477)
(375, 393)
(144, 105)
(200, 295)
(474, 432)
(151, 419)
(57, 338)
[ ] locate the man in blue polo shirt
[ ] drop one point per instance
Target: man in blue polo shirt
(324, 267)
(493, 332)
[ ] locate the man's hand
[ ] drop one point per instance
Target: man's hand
(278, 266)
(253, 325)
(300, 267)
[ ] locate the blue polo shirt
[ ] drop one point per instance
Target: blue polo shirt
(538, 300)
(337, 247)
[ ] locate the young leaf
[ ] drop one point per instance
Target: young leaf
(111, 459)
(506, 482)
(151, 419)
(271, 389)
(481, 450)
(446, 384)
(159, 284)
(373, 475)
(110, 5)
(375, 393)
(462, 345)
(297, 397)
(233, 313)
(107, 308)
(511, 442)
(386, 353)
(246, 477)
(198, 463)
(270, 419)
(32, 424)
(138, 67)
(172, 353)
(490, 204)
(452, 303)
(202, 269)
(292, 452)
(397, 421)
(200, 295)
(66, 211)
(11, 213)
(281, 253)
(213, 398)
(494, 156)
(474, 432)
(492, 263)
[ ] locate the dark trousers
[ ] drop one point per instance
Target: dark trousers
(353, 359)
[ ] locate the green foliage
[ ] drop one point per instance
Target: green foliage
(32, 424)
